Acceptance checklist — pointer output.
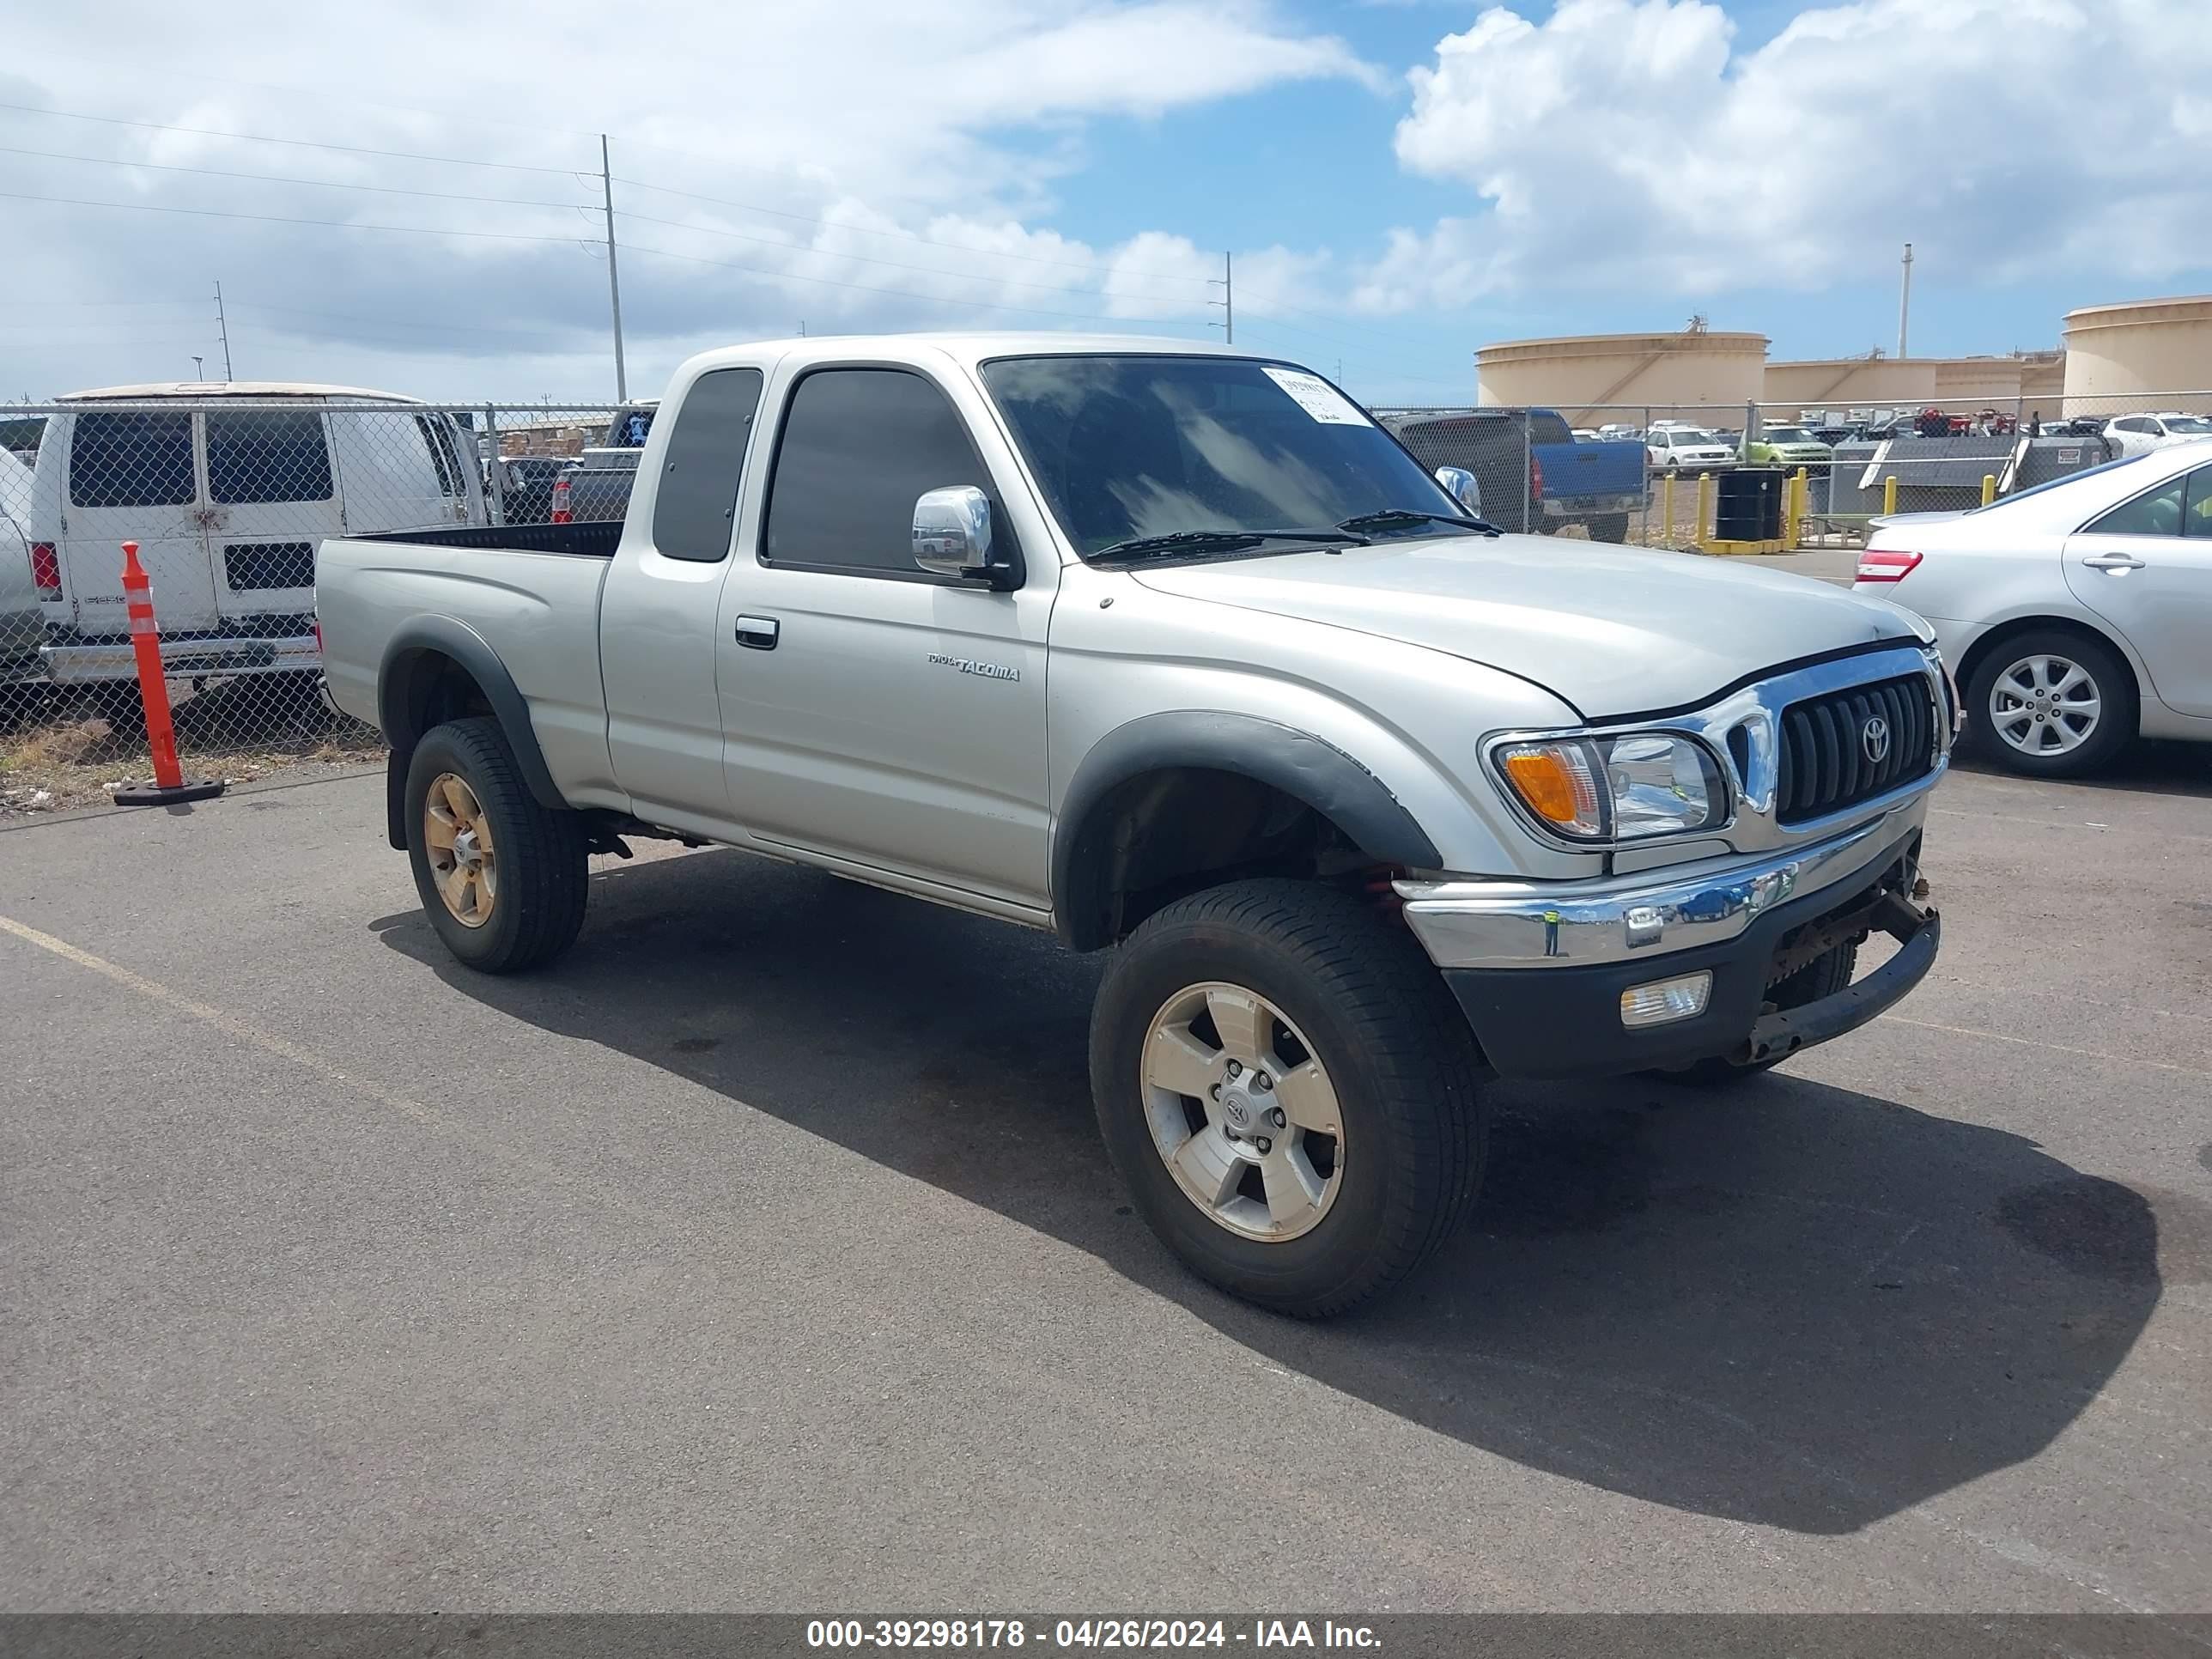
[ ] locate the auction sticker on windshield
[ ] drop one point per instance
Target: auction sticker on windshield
(1316, 396)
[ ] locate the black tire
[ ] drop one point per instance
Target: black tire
(1823, 977)
(2116, 694)
(1609, 527)
(1393, 1042)
(540, 855)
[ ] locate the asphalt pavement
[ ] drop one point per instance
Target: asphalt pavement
(761, 1255)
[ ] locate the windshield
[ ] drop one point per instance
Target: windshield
(1128, 446)
(2187, 423)
(1789, 434)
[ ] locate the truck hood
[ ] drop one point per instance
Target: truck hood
(1609, 630)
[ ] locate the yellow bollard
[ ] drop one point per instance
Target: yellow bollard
(1889, 493)
(1705, 505)
(1667, 509)
(1799, 503)
(1988, 488)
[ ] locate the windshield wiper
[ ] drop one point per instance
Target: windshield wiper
(1391, 517)
(1225, 541)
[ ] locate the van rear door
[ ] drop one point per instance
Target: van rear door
(272, 498)
(133, 475)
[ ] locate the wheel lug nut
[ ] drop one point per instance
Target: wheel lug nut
(1277, 1118)
(1264, 1145)
(1217, 1091)
(1262, 1082)
(1235, 1070)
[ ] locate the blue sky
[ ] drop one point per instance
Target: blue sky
(1401, 182)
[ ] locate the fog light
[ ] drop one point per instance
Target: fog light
(1664, 1000)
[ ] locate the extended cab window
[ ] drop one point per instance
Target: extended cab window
(261, 455)
(859, 447)
(131, 460)
(698, 497)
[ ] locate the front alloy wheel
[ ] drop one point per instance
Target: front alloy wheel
(1242, 1112)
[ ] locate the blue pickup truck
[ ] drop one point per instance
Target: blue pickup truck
(1534, 475)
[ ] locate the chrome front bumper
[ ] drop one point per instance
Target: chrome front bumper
(1538, 925)
(75, 665)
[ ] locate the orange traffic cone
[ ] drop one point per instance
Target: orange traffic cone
(168, 786)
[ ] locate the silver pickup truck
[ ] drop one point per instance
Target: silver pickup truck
(1173, 651)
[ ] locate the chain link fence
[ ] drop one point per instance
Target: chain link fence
(228, 497)
(1649, 474)
(228, 494)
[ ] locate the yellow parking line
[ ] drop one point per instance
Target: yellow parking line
(228, 1023)
(2037, 1043)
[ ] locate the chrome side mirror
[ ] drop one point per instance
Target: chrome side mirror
(953, 531)
(1463, 487)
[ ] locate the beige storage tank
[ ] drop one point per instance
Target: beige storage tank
(1837, 382)
(1593, 379)
(2145, 355)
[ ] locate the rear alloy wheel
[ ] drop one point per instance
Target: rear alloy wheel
(2052, 705)
(502, 878)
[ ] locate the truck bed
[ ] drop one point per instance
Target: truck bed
(594, 540)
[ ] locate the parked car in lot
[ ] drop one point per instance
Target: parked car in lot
(1172, 650)
(1789, 447)
(2138, 434)
(2076, 614)
(1534, 475)
(227, 488)
(1688, 449)
(22, 624)
(525, 485)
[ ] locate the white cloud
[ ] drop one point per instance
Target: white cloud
(1626, 145)
(899, 165)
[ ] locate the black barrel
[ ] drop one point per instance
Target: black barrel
(1749, 506)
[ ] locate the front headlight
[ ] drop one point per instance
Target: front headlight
(1621, 788)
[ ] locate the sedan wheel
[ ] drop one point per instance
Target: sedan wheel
(2045, 705)
(2053, 703)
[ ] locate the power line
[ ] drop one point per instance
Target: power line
(903, 236)
(280, 179)
(281, 219)
(867, 259)
(902, 294)
(299, 143)
(518, 236)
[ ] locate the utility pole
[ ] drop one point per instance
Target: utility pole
(614, 281)
(198, 373)
(1905, 300)
(222, 327)
(1227, 284)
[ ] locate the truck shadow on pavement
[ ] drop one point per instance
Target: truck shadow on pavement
(1796, 1306)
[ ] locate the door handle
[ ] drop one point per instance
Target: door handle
(758, 632)
(2113, 562)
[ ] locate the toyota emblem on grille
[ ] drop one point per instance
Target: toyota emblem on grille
(1873, 738)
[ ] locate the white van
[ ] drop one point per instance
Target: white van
(227, 488)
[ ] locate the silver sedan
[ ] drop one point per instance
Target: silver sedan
(2075, 614)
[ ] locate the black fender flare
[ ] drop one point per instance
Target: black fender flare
(1302, 766)
(422, 636)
